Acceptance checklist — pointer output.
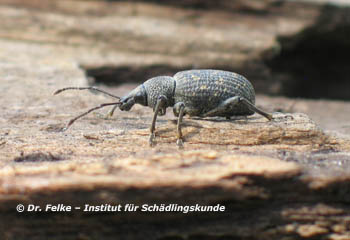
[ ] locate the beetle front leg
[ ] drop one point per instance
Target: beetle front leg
(110, 113)
(160, 105)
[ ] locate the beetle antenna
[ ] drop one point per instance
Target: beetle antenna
(87, 112)
(85, 88)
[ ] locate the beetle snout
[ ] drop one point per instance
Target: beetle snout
(126, 104)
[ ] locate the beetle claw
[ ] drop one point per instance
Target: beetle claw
(180, 143)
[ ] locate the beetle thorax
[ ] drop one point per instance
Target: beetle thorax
(158, 86)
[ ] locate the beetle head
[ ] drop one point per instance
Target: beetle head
(148, 93)
(138, 95)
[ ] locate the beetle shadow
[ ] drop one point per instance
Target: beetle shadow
(196, 126)
(233, 119)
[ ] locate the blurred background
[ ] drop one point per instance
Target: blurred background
(286, 48)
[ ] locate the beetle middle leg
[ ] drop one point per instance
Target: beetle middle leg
(158, 110)
(179, 111)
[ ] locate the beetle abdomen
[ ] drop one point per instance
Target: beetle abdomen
(205, 89)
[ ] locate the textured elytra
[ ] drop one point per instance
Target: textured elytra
(203, 90)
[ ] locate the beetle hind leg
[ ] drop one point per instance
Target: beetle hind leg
(224, 106)
(255, 109)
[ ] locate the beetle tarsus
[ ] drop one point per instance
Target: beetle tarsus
(180, 143)
(151, 141)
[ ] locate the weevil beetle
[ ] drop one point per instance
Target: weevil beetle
(201, 93)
